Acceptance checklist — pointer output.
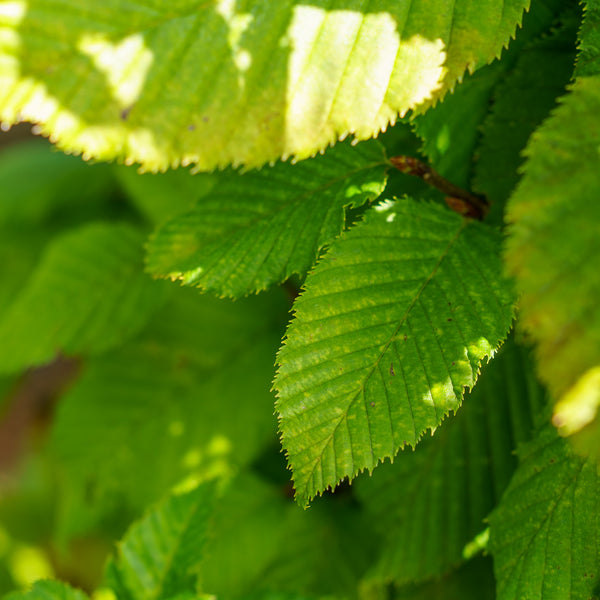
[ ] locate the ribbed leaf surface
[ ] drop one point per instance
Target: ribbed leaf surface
(431, 502)
(87, 295)
(393, 326)
(48, 590)
(545, 533)
(552, 249)
(214, 83)
(159, 554)
(277, 220)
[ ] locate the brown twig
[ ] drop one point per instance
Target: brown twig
(459, 200)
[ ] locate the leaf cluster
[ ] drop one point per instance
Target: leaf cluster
(442, 453)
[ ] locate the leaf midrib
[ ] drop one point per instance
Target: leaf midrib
(343, 417)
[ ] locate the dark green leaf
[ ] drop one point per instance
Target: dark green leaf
(277, 220)
(431, 502)
(159, 554)
(545, 533)
(392, 328)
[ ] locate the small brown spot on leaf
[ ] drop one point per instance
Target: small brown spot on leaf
(392, 369)
(125, 113)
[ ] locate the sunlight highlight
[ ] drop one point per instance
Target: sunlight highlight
(238, 23)
(125, 64)
(579, 406)
(12, 13)
(328, 95)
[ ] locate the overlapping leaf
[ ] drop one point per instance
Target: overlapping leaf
(522, 101)
(431, 502)
(554, 239)
(277, 220)
(159, 555)
(87, 295)
(451, 130)
(216, 83)
(545, 533)
(393, 326)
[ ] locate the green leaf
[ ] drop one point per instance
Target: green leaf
(87, 295)
(588, 60)
(451, 130)
(48, 590)
(521, 102)
(413, 300)
(159, 554)
(211, 83)
(277, 221)
(189, 398)
(431, 502)
(559, 282)
(545, 533)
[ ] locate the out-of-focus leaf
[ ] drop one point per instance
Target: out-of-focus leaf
(87, 295)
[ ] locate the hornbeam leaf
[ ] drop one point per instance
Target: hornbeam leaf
(220, 82)
(588, 59)
(431, 502)
(560, 282)
(545, 533)
(159, 554)
(414, 300)
(48, 590)
(276, 222)
(522, 101)
(87, 295)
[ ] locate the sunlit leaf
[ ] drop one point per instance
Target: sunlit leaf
(277, 220)
(216, 83)
(391, 329)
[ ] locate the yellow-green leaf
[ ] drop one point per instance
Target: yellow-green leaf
(221, 82)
